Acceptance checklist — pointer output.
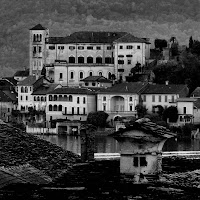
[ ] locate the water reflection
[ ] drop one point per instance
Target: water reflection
(110, 145)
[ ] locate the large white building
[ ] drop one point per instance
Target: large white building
(72, 58)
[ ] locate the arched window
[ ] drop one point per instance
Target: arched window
(71, 59)
(26, 90)
(90, 73)
(71, 75)
(60, 98)
(37, 39)
(70, 98)
(109, 75)
(34, 98)
(65, 97)
(99, 60)
(89, 59)
(80, 59)
(130, 99)
(38, 98)
(81, 75)
(55, 108)
(50, 107)
(50, 98)
(55, 98)
(108, 60)
(22, 89)
(104, 98)
(100, 74)
(45, 99)
(42, 98)
(34, 38)
(60, 108)
(40, 37)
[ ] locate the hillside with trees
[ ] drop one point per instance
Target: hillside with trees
(152, 18)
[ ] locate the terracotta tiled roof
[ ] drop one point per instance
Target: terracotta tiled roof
(44, 89)
(87, 37)
(22, 174)
(132, 87)
(72, 90)
(38, 27)
(164, 89)
(128, 38)
(100, 79)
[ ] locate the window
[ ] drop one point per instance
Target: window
(129, 47)
(38, 98)
(26, 90)
(109, 75)
(61, 76)
(99, 59)
(26, 98)
(153, 109)
(39, 49)
(34, 98)
(91, 74)
(50, 107)
(71, 48)
(139, 162)
(55, 108)
(60, 98)
(42, 98)
(144, 98)
(135, 162)
(153, 98)
(165, 98)
(120, 47)
(109, 48)
(98, 48)
(104, 107)
(50, 98)
(89, 59)
(51, 47)
(86, 84)
(71, 59)
(90, 48)
(30, 89)
(138, 47)
(143, 161)
(159, 98)
(71, 75)
(55, 98)
(84, 100)
(72, 110)
(184, 110)
(181, 118)
(78, 111)
(81, 47)
(129, 56)
(22, 89)
(61, 47)
(70, 98)
(84, 111)
(130, 98)
(100, 74)
(81, 59)
(131, 108)
(60, 108)
(129, 62)
(93, 84)
(21, 98)
(120, 62)
(172, 98)
(108, 60)
(81, 75)
(104, 98)
(8, 109)
(78, 100)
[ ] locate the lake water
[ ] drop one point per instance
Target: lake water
(110, 145)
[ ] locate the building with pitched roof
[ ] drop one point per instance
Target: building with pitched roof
(86, 53)
(164, 95)
(21, 75)
(71, 103)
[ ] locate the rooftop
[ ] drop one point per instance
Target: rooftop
(38, 27)
(44, 89)
(132, 87)
(22, 73)
(29, 81)
(196, 92)
(5, 97)
(100, 79)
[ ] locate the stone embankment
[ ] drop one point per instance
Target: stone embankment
(17, 148)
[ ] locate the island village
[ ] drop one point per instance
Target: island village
(85, 83)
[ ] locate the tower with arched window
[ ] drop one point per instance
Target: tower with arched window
(37, 48)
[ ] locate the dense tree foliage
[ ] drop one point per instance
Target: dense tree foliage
(152, 18)
(171, 114)
(160, 44)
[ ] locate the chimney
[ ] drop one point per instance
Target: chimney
(166, 82)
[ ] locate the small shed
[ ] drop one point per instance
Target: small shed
(141, 148)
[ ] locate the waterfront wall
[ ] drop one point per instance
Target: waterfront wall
(34, 130)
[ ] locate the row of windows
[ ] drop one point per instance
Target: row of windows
(38, 98)
(80, 47)
(22, 99)
(81, 75)
(65, 109)
(37, 49)
(25, 89)
(129, 47)
(37, 37)
(160, 98)
(68, 98)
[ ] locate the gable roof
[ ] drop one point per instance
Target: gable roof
(197, 103)
(29, 81)
(164, 89)
(132, 87)
(145, 125)
(196, 92)
(38, 27)
(72, 90)
(100, 79)
(128, 38)
(44, 89)
(11, 94)
(5, 98)
(87, 37)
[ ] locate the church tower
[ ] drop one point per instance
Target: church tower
(37, 49)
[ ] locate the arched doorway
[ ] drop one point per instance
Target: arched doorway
(117, 104)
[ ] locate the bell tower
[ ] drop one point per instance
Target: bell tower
(37, 49)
